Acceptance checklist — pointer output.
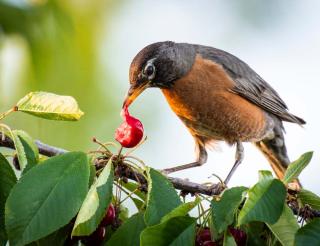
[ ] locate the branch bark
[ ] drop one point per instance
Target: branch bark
(125, 171)
(178, 183)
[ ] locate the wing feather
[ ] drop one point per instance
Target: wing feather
(249, 84)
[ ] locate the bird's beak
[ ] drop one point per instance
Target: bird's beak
(133, 92)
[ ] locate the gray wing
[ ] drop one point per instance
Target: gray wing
(249, 84)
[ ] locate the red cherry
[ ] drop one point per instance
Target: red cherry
(15, 162)
(239, 236)
(203, 236)
(130, 132)
(96, 237)
(109, 216)
(209, 243)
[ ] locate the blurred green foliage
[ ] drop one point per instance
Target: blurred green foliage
(56, 46)
(58, 51)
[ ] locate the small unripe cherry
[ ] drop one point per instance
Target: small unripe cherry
(109, 216)
(130, 132)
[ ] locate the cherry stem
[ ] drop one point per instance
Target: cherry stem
(120, 188)
(5, 114)
(100, 170)
(137, 159)
(128, 195)
(199, 213)
(103, 145)
(119, 153)
(137, 168)
(204, 198)
(96, 152)
(206, 218)
(215, 175)
(118, 191)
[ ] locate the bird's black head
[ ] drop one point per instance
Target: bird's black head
(159, 65)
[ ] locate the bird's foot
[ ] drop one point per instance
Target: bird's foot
(217, 188)
(239, 158)
(221, 182)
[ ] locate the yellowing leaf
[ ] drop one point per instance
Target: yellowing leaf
(94, 206)
(50, 106)
(27, 151)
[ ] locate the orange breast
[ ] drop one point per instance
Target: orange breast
(203, 101)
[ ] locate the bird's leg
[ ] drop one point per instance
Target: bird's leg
(201, 159)
(239, 158)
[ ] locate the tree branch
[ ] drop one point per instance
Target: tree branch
(124, 170)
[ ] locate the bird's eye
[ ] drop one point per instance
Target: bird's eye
(149, 71)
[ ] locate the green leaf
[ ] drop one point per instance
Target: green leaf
(7, 181)
(27, 151)
(50, 106)
(96, 203)
(264, 203)
(129, 233)
(223, 209)
(92, 175)
(256, 233)
(265, 174)
(46, 198)
(175, 231)
(162, 197)
(57, 238)
(28, 155)
(307, 197)
(181, 210)
(228, 239)
(138, 203)
(309, 234)
(20, 150)
(296, 167)
(124, 213)
(285, 228)
(133, 187)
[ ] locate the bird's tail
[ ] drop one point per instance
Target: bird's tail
(274, 149)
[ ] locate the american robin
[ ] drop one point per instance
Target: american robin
(217, 96)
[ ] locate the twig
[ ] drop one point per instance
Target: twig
(306, 211)
(126, 171)
(44, 149)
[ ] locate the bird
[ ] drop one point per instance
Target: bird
(218, 97)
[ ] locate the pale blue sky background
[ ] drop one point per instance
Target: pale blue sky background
(283, 46)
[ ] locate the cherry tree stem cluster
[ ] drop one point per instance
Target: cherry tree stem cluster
(124, 170)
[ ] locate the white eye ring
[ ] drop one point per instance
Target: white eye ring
(149, 70)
